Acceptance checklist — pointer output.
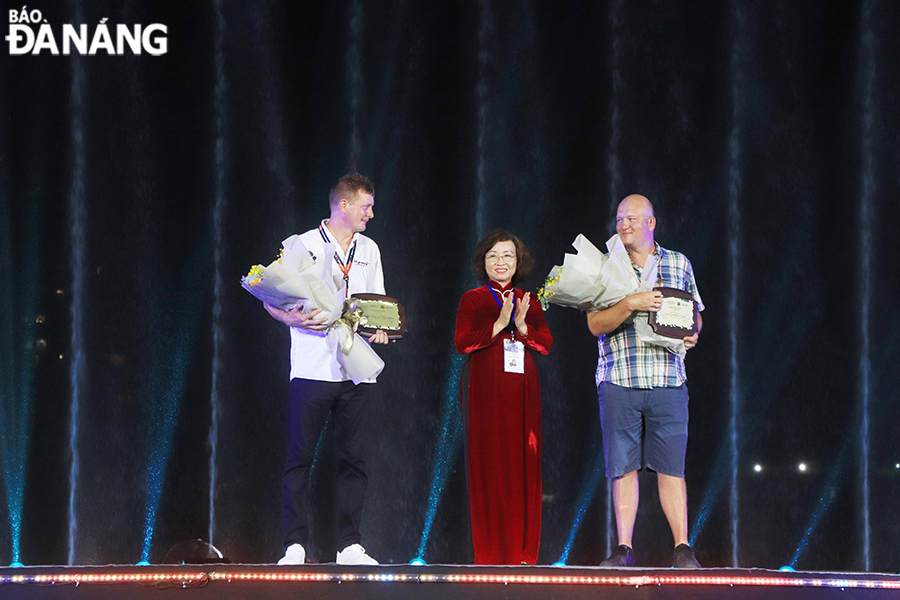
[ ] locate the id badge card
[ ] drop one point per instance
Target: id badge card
(513, 356)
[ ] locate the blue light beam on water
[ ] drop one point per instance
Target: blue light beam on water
(451, 433)
(588, 489)
(735, 184)
(77, 217)
(868, 55)
(18, 309)
(829, 493)
(161, 435)
(738, 58)
(7, 335)
(447, 448)
(221, 172)
(765, 380)
(167, 382)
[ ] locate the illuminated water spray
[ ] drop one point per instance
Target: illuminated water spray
(613, 164)
(221, 172)
(726, 467)
(451, 419)
(355, 81)
(588, 489)
(7, 334)
(78, 270)
(447, 448)
(163, 413)
(164, 396)
(7, 360)
(18, 307)
(174, 326)
(734, 236)
(868, 56)
(481, 92)
(829, 493)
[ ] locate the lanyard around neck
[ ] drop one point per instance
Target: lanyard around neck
(345, 268)
(512, 317)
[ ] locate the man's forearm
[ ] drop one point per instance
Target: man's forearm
(276, 313)
(604, 321)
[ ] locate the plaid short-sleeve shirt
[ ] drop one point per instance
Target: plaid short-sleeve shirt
(625, 360)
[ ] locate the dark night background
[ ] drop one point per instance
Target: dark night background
(136, 190)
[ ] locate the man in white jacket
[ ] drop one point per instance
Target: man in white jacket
(319, 386)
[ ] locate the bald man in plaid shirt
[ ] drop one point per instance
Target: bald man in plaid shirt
(642, 391)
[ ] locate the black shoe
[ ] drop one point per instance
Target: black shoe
(684, 558)
(622, 556)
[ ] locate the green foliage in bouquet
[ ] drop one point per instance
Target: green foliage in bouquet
(546, 291)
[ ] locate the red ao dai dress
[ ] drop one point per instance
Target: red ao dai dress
(502, 413)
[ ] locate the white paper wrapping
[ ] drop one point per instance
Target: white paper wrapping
(298, 279)
(591, 280)
(361, 362)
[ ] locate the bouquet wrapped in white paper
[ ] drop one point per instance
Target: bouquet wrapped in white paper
(296, 278)
(591, 280)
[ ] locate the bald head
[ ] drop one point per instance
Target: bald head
(636, 202)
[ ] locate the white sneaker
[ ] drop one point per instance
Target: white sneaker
(294, 555)
(355, 554)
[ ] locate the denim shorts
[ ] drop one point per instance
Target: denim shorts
(644, 428)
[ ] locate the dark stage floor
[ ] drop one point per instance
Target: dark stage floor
(329, 581)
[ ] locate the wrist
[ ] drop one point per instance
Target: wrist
(496, 329)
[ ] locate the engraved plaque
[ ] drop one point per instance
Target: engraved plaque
(381, 312)
(677, 317)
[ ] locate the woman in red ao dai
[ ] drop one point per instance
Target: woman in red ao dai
(499, 327)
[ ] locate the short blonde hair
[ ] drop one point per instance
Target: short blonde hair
(348, 187)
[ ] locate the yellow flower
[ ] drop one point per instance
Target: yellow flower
(545, 293)
(255, 275)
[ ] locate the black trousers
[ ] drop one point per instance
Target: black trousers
(309, 404)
